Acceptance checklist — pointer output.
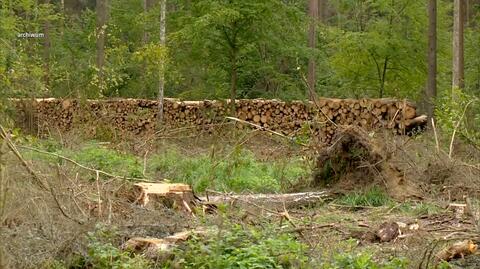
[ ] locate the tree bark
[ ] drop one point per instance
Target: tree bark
(46, 50)
(233, 88)
(101, 9)
(458, 48)
(161, 77)
(144, 43)
(431, 89)
(313, 14)
(322, 10)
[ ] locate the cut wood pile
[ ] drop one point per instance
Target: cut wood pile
(138, 116)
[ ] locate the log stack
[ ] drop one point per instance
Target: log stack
(139, 116)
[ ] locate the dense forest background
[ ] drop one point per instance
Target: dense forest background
(362, 48)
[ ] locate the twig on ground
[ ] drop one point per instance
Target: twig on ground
(99, 200)
(313, 227)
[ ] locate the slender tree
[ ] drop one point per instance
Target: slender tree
(101, 27)
(46, 49)
(144, 41)
(431, 89)
(322, 10)
(458, 48)
(313, 14)
(161, 75)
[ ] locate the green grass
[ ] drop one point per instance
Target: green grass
(373, 197)
(238, 172)
(91, 154)
(419, 208)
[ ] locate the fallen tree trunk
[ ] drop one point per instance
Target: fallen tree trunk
(271, 201)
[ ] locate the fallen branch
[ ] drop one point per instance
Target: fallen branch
(13, 148)
(265, 129)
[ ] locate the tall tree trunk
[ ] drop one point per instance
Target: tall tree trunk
(46, 50)
(233, 81)
(144, 43)
(458, 49)
(313, 14)
(322, 10)
(161, 75)
(101, 23)
(431, 89)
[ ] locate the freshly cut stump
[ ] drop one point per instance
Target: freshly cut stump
(180, 194)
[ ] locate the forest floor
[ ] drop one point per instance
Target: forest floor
(85, 212)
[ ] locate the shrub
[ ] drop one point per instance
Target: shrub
(362, 261)
(242, 248)
(102, 254)
(458, 110)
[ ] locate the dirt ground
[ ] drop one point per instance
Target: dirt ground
(38, 227)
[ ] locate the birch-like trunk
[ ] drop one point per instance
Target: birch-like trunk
(161, 75)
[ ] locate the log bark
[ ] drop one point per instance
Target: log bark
(431, 89)
(269, 200)
(458, 47)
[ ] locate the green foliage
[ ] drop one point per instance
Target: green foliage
(364, 49)
(242, 247)
(102, 254)
(346, 255)
(239, 171)
(457, 110)
(92, 154)
(374, 52)
(374, 196)
(109, 160)
(419, 209)
(363, 261)
(262, 40)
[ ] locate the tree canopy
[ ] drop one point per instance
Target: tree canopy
(220, 48)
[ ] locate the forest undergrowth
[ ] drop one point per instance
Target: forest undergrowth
(85, 214)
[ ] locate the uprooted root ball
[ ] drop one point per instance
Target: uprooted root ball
(355, 160)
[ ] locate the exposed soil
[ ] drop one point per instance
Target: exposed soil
(356, 159)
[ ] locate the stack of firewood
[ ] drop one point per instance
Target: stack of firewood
(138, 116)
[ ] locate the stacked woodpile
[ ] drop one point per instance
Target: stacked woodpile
(139, 116)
